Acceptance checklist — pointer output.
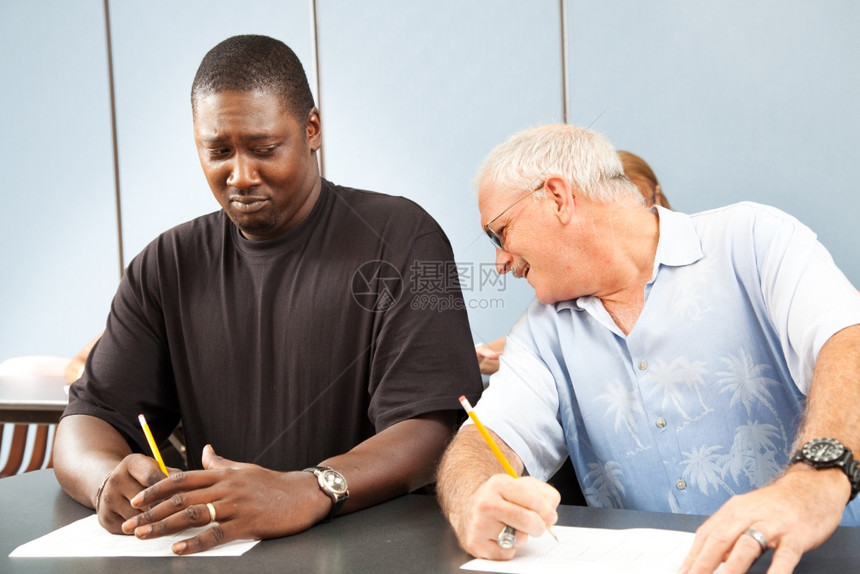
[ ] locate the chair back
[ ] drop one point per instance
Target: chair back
(28, 447)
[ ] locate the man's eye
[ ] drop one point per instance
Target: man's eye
(217, 152)
(266, 150)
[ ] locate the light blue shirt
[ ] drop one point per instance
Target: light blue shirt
(702, 399)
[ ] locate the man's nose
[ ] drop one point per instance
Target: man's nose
(244, 173)
(504, 261)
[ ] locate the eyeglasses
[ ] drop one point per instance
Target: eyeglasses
(494, 236)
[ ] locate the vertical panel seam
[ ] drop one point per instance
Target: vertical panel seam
(315, 62)
(114, 138)
(564, 66)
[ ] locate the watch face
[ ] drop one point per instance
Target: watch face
(823, 450)
(334, 481)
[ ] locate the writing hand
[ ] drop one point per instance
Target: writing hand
(250, 502)
(132, 474)
(526, 504)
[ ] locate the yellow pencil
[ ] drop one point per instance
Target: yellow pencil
(493, 446)
(152, 445)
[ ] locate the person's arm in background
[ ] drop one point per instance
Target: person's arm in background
(75, 368)
(479, 499)
(488, 356)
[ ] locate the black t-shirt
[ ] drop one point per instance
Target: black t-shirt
(283, 352)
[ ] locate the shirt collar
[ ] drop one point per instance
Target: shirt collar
(679, 243)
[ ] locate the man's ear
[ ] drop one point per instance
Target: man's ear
(560, 192)
(314, 129)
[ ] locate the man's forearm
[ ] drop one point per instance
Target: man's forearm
(468, 462)
(86, 449)
(395, 461)
(831, 408)
(834, 396)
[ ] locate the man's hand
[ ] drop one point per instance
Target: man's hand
(526, 504)
(488, 356)
(250, 502)
(795, 513)
(488, 359)
(112, 502)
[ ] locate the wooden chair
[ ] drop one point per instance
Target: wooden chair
(28, 447)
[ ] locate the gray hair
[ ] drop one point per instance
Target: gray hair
(584, 158)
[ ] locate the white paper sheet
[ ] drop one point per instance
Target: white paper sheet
(86, 537)
(597, 551)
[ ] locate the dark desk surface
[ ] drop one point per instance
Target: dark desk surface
(32, 398)
(406, 535)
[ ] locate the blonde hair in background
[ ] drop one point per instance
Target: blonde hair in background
(639, 172)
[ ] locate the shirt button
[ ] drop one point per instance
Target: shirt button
(681, 484)
(643, 365)
(661, 422)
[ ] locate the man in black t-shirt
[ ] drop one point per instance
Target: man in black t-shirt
(288, 332)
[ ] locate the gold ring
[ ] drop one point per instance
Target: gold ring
(211, 512)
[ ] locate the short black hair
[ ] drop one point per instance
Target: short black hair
(253, 62)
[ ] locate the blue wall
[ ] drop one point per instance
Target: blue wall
(730, 101)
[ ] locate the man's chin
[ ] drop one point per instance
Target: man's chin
(252, 228)
(540, 295)
(544, 297)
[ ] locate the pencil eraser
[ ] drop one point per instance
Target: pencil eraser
(465, 403)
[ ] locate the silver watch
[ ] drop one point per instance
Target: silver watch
(333, 484)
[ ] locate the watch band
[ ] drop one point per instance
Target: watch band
(333, 484)
(810, 453)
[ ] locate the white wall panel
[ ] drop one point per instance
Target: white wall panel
(731, 101)
(59, 262)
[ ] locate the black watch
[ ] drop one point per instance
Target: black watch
(333, 484)
(830, 453)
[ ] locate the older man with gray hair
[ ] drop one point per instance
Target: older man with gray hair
(700, 364)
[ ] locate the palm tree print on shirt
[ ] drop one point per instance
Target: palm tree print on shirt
(673, 382)
(754, 454)
(705, 467)
(748, 384)
(624, 404)
(603, 485)
(689, 299)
